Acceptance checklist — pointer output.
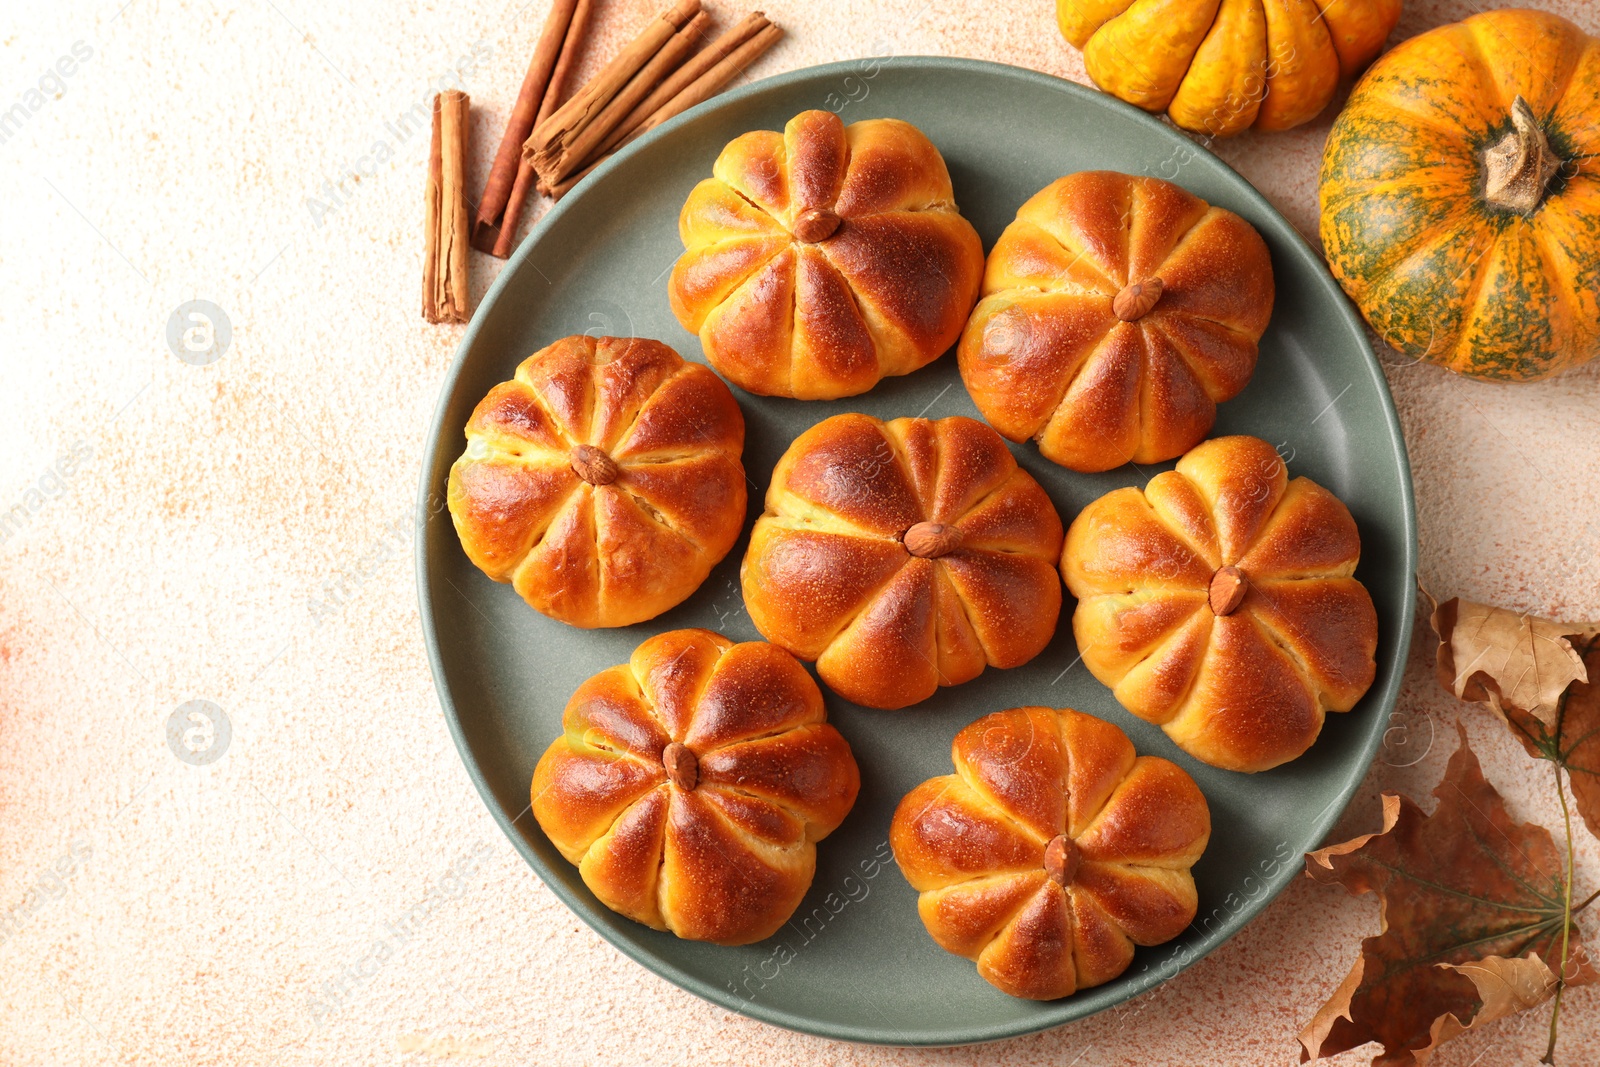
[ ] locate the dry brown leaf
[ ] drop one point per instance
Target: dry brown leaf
(1507, 659)
(1468, 899)
(1580, 741)
(1573, 740)
(1505, 986)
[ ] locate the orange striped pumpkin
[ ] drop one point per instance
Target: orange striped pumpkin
(1221, 66)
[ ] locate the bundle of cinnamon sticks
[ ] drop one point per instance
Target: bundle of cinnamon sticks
(551, 144)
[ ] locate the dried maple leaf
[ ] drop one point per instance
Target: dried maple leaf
(1471, 907)
(1507, 659)
(1535, 673)
(1573, 739)
(1505, 987)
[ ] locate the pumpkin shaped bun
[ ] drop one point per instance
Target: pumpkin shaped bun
(691, 784)
(1052, 851)
(1217, 67)
(603, 481)
(1460, 196)
(1219, 603)
(903, 556)
(1117, 312)
(824, 258)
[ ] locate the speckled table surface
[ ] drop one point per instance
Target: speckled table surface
(330, 888)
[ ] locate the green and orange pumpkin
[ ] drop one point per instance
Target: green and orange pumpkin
(1460, 196)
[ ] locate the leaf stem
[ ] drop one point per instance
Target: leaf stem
(1566, 926)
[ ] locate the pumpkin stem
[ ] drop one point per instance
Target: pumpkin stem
(1518, 169)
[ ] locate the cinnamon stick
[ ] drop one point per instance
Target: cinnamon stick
(664, 62)
(505, 238)
(557, 192)
(757, 35)
(712, 81)
(444, 270)
(577, 37)
(571, 46)
(683, 77)
(550, 137)
(502, 175)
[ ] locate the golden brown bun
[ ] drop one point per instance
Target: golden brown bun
(602, 553)
(1045, 355)
(824, 258)
(1246, 689)
(1045, 920)
(723, 847)
(828, 577)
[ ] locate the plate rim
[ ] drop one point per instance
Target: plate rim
(1387, 697)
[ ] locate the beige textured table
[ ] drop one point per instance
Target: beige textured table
(331, 889)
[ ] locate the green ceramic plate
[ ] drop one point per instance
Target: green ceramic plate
(856, 963)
